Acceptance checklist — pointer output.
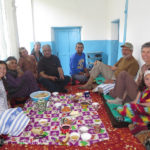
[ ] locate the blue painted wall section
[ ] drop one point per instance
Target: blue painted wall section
(112, 49)
(96, 45)
(106, 46)
(125, 21)
(120, 50)
(42, 43)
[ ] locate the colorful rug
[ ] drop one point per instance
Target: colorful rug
(52, 129)
(119, 139)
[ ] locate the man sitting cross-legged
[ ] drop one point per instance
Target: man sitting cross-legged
(78, 68)
(51, 72)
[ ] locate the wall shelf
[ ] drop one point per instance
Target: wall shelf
(92, 57)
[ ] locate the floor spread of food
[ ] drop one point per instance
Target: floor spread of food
(61, 119)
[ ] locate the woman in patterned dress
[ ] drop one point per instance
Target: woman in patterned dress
(139, 109)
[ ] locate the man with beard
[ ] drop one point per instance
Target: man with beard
(78, 68)
(127, 63)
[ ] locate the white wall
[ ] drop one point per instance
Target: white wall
(24, 17)
(89, 14)
(115, 10)
(94, 16)
(138, 27)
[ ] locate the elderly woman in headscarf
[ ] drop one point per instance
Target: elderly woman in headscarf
(19, 84)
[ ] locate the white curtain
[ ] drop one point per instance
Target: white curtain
(9, 41)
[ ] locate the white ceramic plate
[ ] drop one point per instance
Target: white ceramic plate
(55, 93)
(84, 129)
(86, 136)
(57, 105)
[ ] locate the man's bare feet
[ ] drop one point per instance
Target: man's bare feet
(85, 87)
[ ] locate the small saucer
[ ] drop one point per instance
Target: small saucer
(55, 93)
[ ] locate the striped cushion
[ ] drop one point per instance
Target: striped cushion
(13, 121)
(105, 87)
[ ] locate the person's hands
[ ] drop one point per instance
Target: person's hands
(81, 73)
(61, 73)
(36, 75)
(113, 68)
(8, 102)
(87, 74)
(53, 78)
(96, 62)
(20, 72)
(18, 69)
(109, 81)
(62, 76)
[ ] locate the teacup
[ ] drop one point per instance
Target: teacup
(55, 93)
(95, 105)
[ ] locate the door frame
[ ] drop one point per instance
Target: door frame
(64, 28)
(71, 43)
(115, 42)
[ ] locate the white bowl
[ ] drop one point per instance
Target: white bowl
(86, 136)
(74, 134)
(43, 122)
(57, 105)
(55, 93)
(83, 129)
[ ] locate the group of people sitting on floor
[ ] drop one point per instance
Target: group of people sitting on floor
(20, 79)
(121, 84)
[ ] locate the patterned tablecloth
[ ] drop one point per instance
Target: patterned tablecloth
(52, 130)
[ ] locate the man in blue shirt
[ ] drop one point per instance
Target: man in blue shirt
(78, 68)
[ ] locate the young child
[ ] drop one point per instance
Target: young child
(12, 121)
(139, 110)
(27, 62)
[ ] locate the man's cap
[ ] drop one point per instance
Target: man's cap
(129, 45)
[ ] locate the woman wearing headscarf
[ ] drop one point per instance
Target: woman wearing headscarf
(19, 84)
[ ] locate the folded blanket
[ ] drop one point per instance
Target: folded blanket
(105, 87)
(13, 121)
